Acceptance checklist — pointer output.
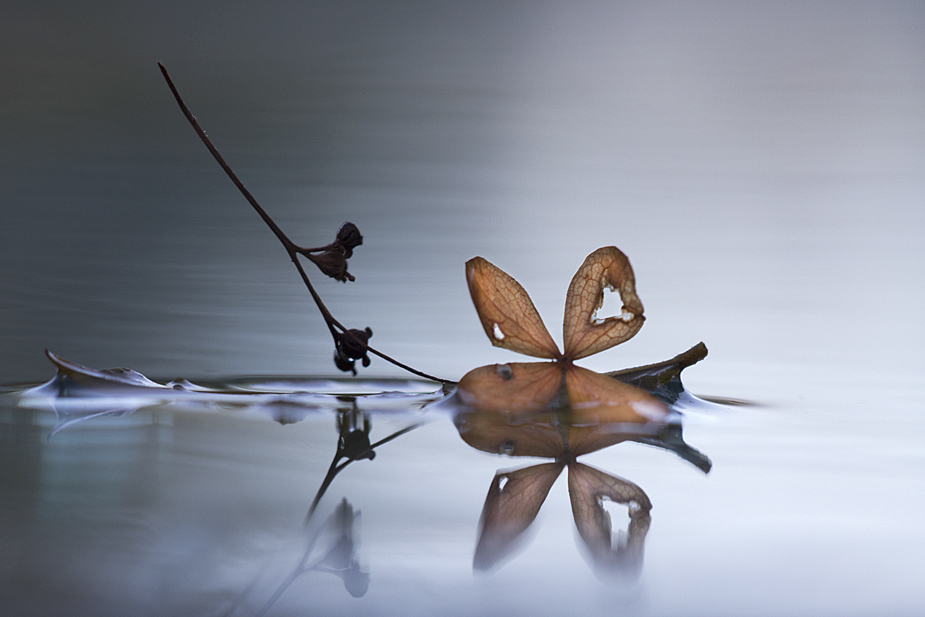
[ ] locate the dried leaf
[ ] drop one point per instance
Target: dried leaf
(513, 501)
(507, 314)
(516, 409)
(588, 488)
(662, 379)
(584, 334)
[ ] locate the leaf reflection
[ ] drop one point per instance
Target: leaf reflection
(514, 499)
(588, 488)
(563, 434)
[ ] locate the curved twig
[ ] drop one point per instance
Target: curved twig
(291, 248)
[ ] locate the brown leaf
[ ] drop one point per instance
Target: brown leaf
(584, 334)
(516, 409)
(507, 314)
(588, 488)
(513, 501)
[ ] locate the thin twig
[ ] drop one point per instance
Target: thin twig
(291, 248)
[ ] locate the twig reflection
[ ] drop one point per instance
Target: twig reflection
(340, 560)
(353, 444)
(353, 427)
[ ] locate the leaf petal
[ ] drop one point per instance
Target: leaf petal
(515, 387)
(513, 501)
(506, 311)
(598, 399)
(606, 411)
(584, 335)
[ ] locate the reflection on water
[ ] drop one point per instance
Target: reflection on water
(329, 538)
(564, 433)
(352, 444)
(339, 559)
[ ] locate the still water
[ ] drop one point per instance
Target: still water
(150, 501)
(761, 166)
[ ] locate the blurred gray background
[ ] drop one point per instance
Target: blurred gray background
(762, 164)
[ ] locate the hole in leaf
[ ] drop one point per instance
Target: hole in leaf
(611, 306)
(619, 519)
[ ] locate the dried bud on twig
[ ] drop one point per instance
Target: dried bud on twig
(332, 259)
(349, 237)
(332, 263)
(347, 351)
